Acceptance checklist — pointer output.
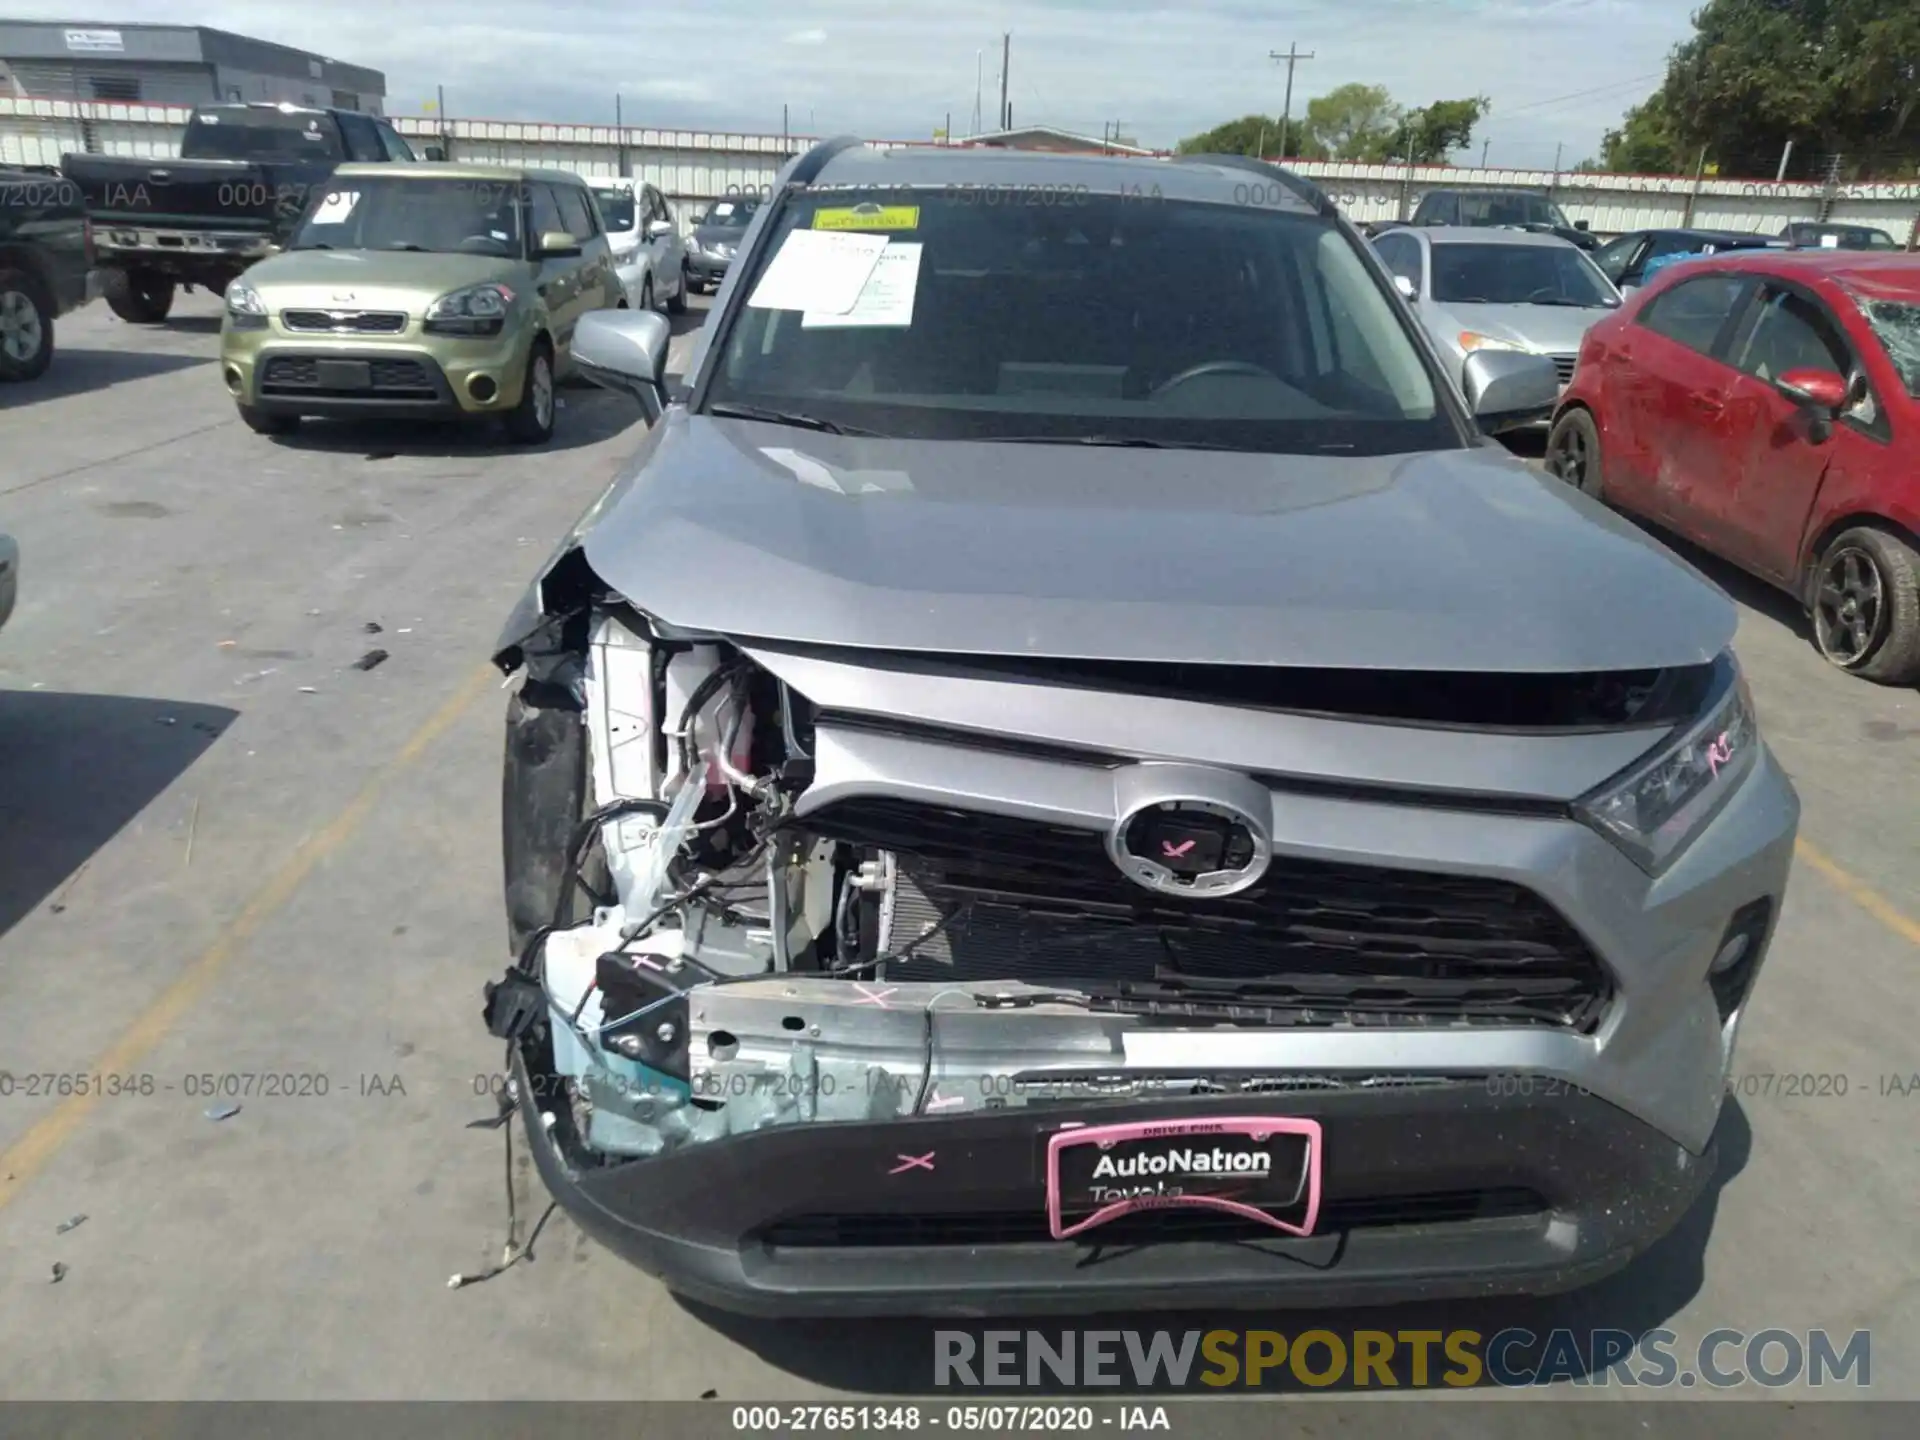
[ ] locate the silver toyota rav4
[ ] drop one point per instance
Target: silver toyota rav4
(1047, 784)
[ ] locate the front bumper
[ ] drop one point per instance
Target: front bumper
(411, 376)
(705, 269)
(1432, 1193)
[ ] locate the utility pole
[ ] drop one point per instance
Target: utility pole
(978, 59)
(1485, 145)
(1553, 185)
(620, 138)
(1006, 59)
(1293, 57)
(786, 145)
(1693, 195)
(1785, 155)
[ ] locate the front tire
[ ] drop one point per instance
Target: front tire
(1573, 453)
(531, 421)
(1865, 605)
(678, 304)
(262, 423)
(26, 327)
(140, 297)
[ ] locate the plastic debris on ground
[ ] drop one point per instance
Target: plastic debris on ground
(223, 1112)
(74, 1224)
(370, 659)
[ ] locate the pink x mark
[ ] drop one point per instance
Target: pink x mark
(870, 997)
(912, 1162)
(1173, 851)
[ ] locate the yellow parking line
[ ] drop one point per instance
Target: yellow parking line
(25, 1157)
(1862, 894)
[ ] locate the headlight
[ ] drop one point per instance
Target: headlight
(245, 309)
(477, 310)
(1654, 810)
(1471, 340)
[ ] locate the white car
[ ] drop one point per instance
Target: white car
(648, 252)
(9, 575)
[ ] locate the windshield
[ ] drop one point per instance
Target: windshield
(616, 209)
(1511, 210)
(1070, 323)
(1543, 274)
(466, 217)
(1896, 324)
(728, 214)
(258, 135)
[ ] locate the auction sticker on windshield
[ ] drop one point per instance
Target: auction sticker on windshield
(868, 217)
(886, 298)
(818, 270)
(1261, 1168)
(336, 207)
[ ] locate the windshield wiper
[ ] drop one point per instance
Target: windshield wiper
(1575, 304)
(408, 245)
(787, 417)
(1139, 442)
(310, 247)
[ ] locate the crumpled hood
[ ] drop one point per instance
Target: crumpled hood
(1549, 329)
(1461, 560)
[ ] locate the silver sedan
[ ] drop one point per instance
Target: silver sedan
(1486, 289)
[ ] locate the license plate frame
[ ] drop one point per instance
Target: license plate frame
(1141, 1138)
(344, 374)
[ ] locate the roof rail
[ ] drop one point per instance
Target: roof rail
(1304, 188)
(815, 160)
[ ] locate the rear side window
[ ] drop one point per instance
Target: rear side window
(397, 149)
(258, 133)
(363, 141)
(1694, 311)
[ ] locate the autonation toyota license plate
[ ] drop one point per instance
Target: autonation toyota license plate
(1264, 1168)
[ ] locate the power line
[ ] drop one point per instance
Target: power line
(1583, 94)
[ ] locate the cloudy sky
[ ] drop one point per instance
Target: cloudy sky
(1557, 71)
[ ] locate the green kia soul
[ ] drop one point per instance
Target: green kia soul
(429, 291)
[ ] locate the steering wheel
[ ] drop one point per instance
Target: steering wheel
(1551, 292)
(1212, 367)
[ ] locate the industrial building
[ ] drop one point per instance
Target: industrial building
(172, 65)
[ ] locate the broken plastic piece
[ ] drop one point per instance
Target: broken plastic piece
(59, 1273)
(372, 627)
(74, 1224)
(370, 659)
(514, 1002)
(223, 1112)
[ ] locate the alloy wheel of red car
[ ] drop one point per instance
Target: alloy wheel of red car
(1849, 612)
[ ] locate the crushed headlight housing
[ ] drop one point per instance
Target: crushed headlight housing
(1656, 808)
(245, 309)
(477, 310)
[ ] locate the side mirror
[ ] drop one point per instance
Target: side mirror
(434, 153)
(558, 245)
(1506, 389)
(1823, 391)
(1406, 287)
(660, 229)
(1581, 225)
(626, 350)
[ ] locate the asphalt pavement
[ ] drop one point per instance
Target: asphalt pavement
(226, 851)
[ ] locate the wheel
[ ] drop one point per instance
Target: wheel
(26, 327)
(531, 421)
(646, 293)
(678, 304)
(262, 423)
(139, 297)
(1573, 453)
(1866, 606)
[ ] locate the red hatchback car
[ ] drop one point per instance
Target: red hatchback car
(1766, 405)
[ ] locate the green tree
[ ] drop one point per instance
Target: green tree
(1352, 122)
(1244, 136)
(1427, 136)
(1644, 144)
(1834, 76)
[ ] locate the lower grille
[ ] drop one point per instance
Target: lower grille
(982, 897)
(387, 379)
(1029, 1227)
(345, 322)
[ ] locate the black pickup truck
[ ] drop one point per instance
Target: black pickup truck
(244, 175)
(46, 255)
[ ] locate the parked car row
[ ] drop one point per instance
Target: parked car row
(46, 260)
(1759, 400)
